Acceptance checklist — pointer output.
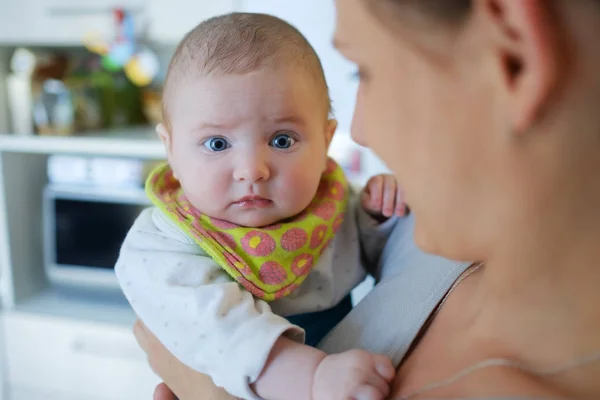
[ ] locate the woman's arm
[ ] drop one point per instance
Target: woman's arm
(186, 383)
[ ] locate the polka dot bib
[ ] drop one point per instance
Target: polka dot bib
(269, 262)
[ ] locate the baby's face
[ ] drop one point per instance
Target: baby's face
(249, 149)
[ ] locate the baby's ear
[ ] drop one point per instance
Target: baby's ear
(329, 131)
(164, 135)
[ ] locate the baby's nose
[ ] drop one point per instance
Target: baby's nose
(252, 170)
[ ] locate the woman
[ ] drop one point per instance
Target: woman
(487, 112)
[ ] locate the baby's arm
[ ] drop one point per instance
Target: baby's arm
(295, 371)
(193, 307)
(211, 324)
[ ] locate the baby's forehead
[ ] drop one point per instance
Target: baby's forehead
(280, 88)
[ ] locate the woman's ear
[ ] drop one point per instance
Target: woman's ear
(527, 53)
(329, 131)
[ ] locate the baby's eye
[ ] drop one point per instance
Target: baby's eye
(217, 144)
(282, 141)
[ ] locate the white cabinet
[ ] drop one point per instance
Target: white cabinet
(169, 20)
(59, 343)
(67, 22)
(60, 22)
(64, 358)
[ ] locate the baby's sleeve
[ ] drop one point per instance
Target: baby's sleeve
(195, 309)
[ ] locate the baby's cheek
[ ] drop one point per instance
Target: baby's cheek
(302, 185)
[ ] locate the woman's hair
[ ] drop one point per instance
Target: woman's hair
(449, 12)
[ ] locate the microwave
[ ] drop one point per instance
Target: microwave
(84, 228)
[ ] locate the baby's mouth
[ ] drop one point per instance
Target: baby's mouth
(253, 202)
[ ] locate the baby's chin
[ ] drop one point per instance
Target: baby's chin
(251, 221)
(258, 219)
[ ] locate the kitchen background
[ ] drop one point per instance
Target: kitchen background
(80, 84)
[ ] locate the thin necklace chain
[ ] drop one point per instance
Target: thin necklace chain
(495, 362)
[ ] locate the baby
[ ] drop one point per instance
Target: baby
(256, 238)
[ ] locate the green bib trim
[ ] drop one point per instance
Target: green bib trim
(269, 262)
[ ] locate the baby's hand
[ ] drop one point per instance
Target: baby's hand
(382, 197)
(353, 375)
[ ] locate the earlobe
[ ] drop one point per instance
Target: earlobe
(164, 135)
(527, 53)
(330, 130)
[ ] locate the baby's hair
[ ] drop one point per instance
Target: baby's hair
(239, 43)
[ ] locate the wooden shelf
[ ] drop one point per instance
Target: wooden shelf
(136, 143)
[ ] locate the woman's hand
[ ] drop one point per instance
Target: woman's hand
(162, 392)
(182, 380)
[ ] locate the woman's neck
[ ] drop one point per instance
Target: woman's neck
(543, 298)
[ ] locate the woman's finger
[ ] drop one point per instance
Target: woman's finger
(162, 392)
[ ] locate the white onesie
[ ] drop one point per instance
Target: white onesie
(211, 323)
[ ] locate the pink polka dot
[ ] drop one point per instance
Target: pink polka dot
(302, 216)
(237, 264)
(325, 247)
(318, 236)
(197, 225)
(331, 166)
(292, 288)
(281, 293)
(169, 175)
(339, 220)
(302, 264)
(336, 191)
(249, 286)
(155, 179)
(294, 239)
(245, 270)
(257, 243)
(325, 210)
(224, 239)
(189, 210)
(273, 227)
(182, 198)
(272, 273)
(219, 223)
(322, 190)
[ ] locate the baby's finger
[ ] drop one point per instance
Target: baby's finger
(382, 386)
(374, 194)
(384, 367)
(389, 196)
(368, 392)
(401, 208)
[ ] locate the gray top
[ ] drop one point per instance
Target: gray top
(411, 284)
